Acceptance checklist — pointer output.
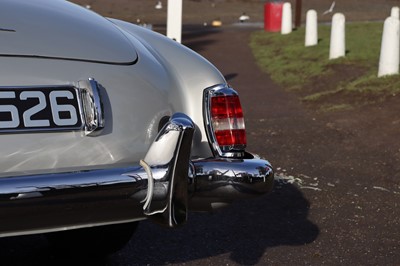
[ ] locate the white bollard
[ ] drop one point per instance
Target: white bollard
(174, 20)
(395, 12)
(389, 58)
(338, 40)
(311, 28)
(287, 26)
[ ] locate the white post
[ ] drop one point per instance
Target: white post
(338, 40)
(174, 20)
(287, 26)
(395, 12)
(389, 58)
(311, 28)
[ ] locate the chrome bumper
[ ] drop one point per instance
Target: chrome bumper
(164, 188)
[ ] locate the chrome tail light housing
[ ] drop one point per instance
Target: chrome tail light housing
(224, 121)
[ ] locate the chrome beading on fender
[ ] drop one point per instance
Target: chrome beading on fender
(93, 111)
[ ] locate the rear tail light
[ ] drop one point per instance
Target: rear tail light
(224, 121)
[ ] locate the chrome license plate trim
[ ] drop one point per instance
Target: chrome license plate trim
(49, 108)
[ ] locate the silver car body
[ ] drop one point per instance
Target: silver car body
(142, 77)
(159, 84)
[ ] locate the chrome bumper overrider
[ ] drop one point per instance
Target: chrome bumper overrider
(163, 188)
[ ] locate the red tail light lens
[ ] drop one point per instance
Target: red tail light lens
(225, 121)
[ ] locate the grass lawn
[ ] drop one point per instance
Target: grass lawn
(331, 84)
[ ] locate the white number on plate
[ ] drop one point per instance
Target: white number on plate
(9, 109)
(35, 109)
(57, 108)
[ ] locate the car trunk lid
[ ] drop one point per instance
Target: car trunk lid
(61, 30)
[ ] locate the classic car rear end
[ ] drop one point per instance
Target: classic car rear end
(104, 123)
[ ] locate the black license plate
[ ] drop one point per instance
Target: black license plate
(39, 108)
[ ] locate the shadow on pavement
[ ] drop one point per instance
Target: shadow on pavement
(193, 36)
(230, 76)
(244, 230)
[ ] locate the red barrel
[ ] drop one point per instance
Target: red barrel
(273, 16)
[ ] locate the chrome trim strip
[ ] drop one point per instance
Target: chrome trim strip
(64, 228)
(7, 30)
(93, 110)
(130, 63)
